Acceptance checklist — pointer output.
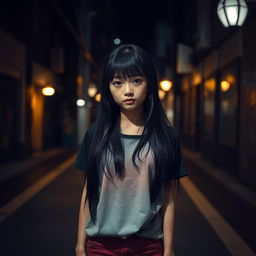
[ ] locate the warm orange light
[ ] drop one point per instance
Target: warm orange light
(225, 85)
(48, 91)
(210, 84)
(196, 80)
(97, 97)
(253, 98)
(79, 80)
(166, 85)
(230, 78)
(92, 90)
(161, 94)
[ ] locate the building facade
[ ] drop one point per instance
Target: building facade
(215, 109)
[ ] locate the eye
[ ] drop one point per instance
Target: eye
(138, 81)
(117, 83)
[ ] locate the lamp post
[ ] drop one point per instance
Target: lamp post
(232, 12)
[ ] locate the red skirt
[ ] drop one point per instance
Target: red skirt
(130, 246)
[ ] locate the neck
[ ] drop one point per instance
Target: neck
(131, 119)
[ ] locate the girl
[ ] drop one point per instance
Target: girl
(132, 162)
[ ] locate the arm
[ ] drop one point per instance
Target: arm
(168, 218)
(83, 218)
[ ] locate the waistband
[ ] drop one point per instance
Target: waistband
(132, 236)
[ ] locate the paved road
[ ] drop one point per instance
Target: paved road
(46, 225)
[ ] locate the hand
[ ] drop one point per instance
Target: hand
(169, 254)
(80, 252)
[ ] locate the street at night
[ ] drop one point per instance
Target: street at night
(83, 81)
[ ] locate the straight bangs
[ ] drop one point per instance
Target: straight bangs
(124, 66)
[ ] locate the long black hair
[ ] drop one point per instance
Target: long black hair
(129, 60)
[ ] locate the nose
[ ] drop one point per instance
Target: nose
(128, 88)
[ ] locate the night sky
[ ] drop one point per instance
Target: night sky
(134, 21)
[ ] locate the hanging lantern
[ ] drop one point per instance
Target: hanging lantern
(232, 12)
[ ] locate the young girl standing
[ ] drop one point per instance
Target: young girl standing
(132, 163)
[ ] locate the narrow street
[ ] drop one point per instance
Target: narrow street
(46, 224)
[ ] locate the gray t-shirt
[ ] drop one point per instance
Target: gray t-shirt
(124, 206)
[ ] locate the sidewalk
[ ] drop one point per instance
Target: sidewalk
(17, 176)
(234, 200)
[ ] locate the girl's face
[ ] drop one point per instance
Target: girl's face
(130, 88)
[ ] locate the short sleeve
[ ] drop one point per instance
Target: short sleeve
(80, 162)
(178, 169)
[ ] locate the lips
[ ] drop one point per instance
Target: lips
(129, 100)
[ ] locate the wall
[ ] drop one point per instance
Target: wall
(248, 106)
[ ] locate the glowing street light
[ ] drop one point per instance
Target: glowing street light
(97, 97)
(166, 85)
(48, 91)
(225, 85)
(232, 12)
(80, 102)
(117, 41)
(92, 90)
